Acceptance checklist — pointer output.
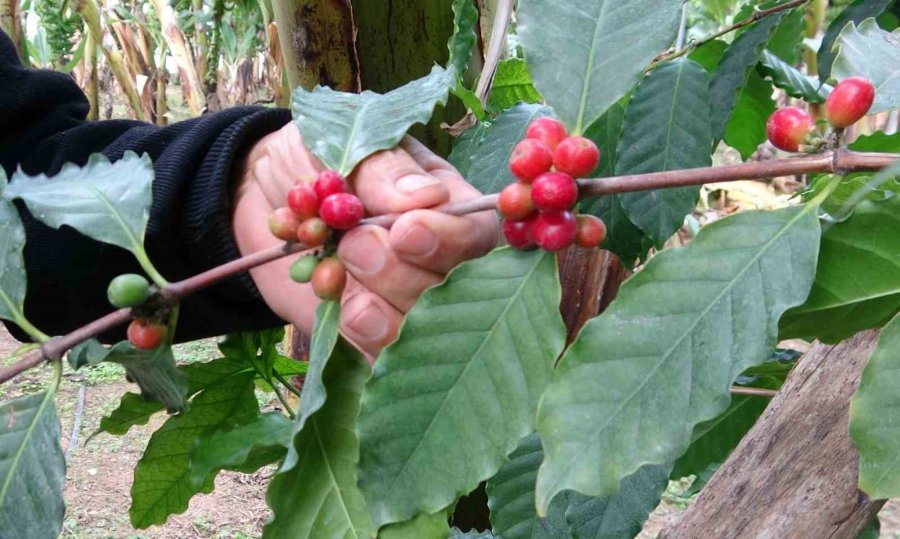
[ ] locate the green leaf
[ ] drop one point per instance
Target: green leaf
(465, 147)
(318, 496)
(622, 237)
(512, 84)
(584, 56)
(792, 81)
(666, 128)
(605, 132)
(511, 497)
(132, 410)
(785, 42)
(322, 342)
(287, 367)
(154, 371)
(857, 284)
(13, 281)
(456, 533)
(709, 54)
(747, 126)
(623, 514)
(109, 202)
(868, 51)
(734, 69)
(32, 468)
(162, 478)
(472, 359)
(244, 448)
(434, 526)
(668, 348)
(872, 411)
(489, 169)
(856, 13)
(461, 43)
(90, 352)
(342, 129)
(713, 440)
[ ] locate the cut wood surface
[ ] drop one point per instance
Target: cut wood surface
(794, 474)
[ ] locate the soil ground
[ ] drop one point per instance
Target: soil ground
(99, 473)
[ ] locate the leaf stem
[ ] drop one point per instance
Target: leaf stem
(757, 15)
(287, 383)
(836, 161)
(281, 399)
(148, 267)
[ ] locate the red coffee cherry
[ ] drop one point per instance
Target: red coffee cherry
(328, 183)
(529, 159)
(576, 156)
(313, 232)
(519, 233)
(555, 231)
(788, 128)
(591, 231)
(515, 201)
(548, 130)
(329, 279)
(341, 211)
(303, 200)
(146, 335)
(849, 102)
(284, 224)
(554, 191)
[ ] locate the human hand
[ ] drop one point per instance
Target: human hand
(388, 269)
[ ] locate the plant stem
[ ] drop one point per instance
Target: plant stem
(290, 387)
(754, 391)
(835, 161)
(283, 402)
(148, 267)
(757, 15)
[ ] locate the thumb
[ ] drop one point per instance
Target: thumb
(392, 181)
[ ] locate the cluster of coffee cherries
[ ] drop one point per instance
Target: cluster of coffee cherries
(792, 128)
(537, 209)
(315, 214)
(132, 290)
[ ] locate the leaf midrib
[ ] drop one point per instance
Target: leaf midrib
(488, 334)
(664, 357)
(333, 477)
(585, 85)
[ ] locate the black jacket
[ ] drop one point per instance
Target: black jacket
(43, 126)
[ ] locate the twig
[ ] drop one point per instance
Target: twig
(840, 161)
(757, 15)
(754, 391)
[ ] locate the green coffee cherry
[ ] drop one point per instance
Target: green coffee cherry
(128, 290)
(302, 269)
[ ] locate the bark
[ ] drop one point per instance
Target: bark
(794, 474)
(162, 103)
(317, 42)
(184, 58)
(590, 280)
(91, 78)
(11, 22)
(90, 12)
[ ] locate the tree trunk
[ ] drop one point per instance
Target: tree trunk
(795, 473)
(184, 59)
(91, 77)
(317, 42)
(201, 41)
(11, 22)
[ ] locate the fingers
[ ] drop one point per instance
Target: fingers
(437, 242)
(367, 253)
(392, 181)
(369, 321)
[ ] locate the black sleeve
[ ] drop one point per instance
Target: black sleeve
(43, 126)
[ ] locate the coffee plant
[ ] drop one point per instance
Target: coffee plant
(600, 128)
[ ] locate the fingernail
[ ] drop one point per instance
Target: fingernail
(412, 183)
(370, 323)
(417, 241)
(365, 253)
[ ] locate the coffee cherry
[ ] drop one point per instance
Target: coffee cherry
(341, 211)
(313, 232)
(788, 128)
(283, 224)
(519, 233)
(529, 159)
(145, 334)
(329, 279)
(555, 231)
(548, 130)
(302, 269)
(303, 201)
(554, 191)
(576, 156)
(591, 231)
(515, 201)
(128, 290)
(328, 183)
(849, 102)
